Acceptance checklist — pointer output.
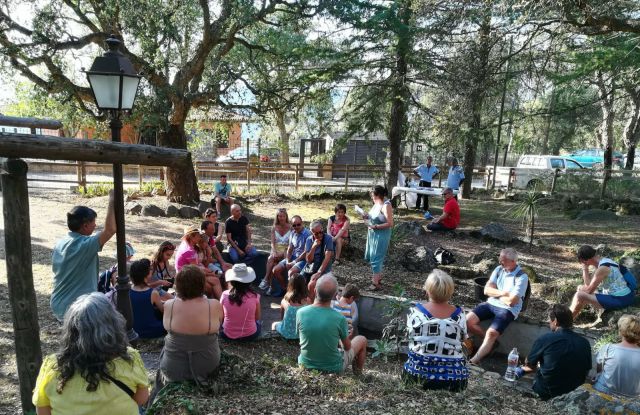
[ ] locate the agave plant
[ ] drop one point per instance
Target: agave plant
(527, 211)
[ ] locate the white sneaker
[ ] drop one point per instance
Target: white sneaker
(263, 284)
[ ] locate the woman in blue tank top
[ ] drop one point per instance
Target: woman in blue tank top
(146, 304)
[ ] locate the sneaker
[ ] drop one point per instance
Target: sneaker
(427, 215)
(263, 284)
(268, 292)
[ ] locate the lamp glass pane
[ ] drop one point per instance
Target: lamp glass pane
(106, 89)
(129, 89)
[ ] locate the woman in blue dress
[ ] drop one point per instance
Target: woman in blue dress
(380, 223)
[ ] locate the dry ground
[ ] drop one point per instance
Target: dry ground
(552, 259)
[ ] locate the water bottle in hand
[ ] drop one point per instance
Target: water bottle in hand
(512, 362)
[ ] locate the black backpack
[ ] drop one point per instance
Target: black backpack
(527, 294)
(443, 256)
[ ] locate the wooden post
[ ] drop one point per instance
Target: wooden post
(512, 175)
(83, 176)
(346, 178)
(553, 182)
(297, 176)
(22, 295)
(141, 175)
(440, 179)
(488, 179)
(248, 175)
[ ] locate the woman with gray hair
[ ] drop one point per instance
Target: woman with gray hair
(94, 372)
(436, 332)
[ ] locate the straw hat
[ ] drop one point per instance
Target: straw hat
(189, 230)
(240, 273)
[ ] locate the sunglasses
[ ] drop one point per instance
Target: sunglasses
(296, 225)
(318, 233)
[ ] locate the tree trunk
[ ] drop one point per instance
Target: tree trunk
(182, 184)
(476, 98)
(632, 126)
(398, 117)
(284, 135)
(606, 92)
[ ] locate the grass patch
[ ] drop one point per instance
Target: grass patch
(97, 189)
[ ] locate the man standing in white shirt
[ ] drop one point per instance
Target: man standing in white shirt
(426, 172)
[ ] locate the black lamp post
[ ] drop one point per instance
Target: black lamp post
(114, 84)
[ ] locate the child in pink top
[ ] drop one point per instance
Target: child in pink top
(186, 254)
(240, 305)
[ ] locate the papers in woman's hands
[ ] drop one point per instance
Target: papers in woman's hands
(359, 210)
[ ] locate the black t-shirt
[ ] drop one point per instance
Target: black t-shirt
(238, 230)
(565, 361)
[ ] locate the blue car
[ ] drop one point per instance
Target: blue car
(594, 157)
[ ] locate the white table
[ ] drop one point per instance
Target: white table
(427, 191)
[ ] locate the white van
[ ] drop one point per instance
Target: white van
(534, 170)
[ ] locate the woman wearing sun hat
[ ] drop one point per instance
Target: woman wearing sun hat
(240, 305)
(186, 254)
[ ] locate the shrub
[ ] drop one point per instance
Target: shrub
(97, 189)
(151, 186)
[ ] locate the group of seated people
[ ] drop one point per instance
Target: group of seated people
(439, 332)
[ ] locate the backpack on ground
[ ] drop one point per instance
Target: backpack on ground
(443, 256)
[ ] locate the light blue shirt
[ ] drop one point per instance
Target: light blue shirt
(456, 173)
(614, 284)
(297, 241)
(507, 281)
(75, 270)
(318, 255)
(223, 191)
(426, 173)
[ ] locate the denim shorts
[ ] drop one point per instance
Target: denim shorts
(614, 302)
(501, 316)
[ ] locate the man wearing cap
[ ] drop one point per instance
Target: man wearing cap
(321, 329)
(426, 172)
(239, 237)
(74, 260)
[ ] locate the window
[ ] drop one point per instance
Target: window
(557, 164)
(572, 164)
(525, 161)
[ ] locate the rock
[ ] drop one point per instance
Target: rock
(145, 194)
(158, 192)
(485, 266)
(586, 400)
(597, 215)
(132, 196)
(412, 228)
(497, 232)
(419, 259)
(189, 212)
(605, 251)
(152, 210)
(531, 273)
(133, 208)
(609, 318)
(203, 206)
(486, 254)
(172, 211)
(459, 272)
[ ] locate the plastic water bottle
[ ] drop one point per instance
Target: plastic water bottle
(512, 364)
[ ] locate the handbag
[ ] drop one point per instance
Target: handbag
(443, 256)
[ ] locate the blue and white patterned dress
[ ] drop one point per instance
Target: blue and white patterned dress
(435, 349)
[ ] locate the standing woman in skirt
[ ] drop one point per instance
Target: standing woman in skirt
(380, 222)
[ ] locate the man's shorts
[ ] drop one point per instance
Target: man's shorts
(501, 316)
(347, 359)
(613, 302)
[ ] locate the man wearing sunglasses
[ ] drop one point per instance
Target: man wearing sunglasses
(295, 259)
(319, 251)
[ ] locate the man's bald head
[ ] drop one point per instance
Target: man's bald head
(326, 288)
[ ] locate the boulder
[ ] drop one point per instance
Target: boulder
(586, 400)
(146, 194)
(132, 196)
(203, 206)
(133, 208)
(497, 232)
(189, 212)
(409, 229)
(605, 251)
(152, 210)
(419, 259)
(597, 215)
(172, 211)
(485, 266)
(158, 192)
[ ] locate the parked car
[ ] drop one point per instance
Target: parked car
(534, 171)
(636, 161)
(267, 154)
(594, 157)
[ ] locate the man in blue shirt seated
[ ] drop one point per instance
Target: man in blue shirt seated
(426, 172)
(561, 358)
(75, 257)
(506, 290)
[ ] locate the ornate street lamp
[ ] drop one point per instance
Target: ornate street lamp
(114, 84)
